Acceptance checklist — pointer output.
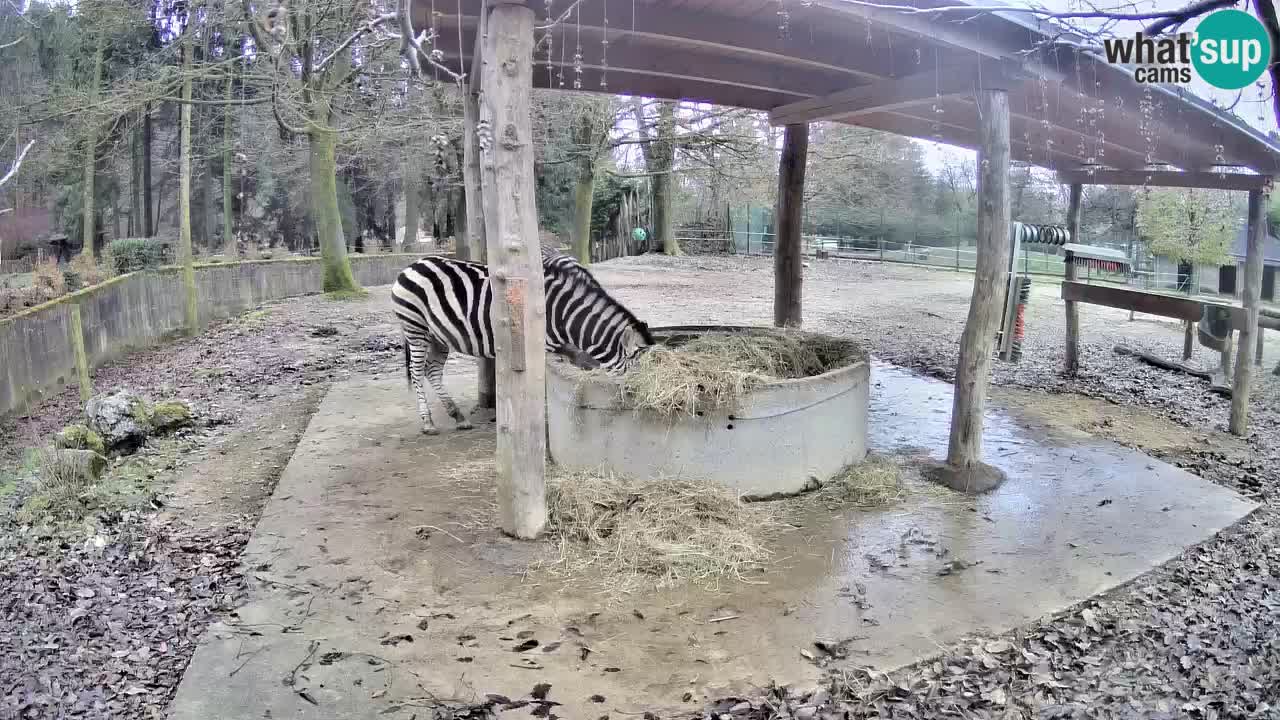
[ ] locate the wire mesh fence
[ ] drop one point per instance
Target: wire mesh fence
(959, 255)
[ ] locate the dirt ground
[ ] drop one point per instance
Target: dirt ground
(1196, 638)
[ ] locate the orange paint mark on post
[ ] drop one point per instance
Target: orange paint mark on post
(515, 295)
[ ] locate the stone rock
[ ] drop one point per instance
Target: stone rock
(79, 437)
(70, 467)
(170, 415)
(122, 419)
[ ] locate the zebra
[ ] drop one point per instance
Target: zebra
(444, 305)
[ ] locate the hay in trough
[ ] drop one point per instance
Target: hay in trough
(715, 370)
(626, 533)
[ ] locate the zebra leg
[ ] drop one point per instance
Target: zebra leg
(436, 356)
(417, 360)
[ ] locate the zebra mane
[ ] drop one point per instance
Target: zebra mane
(564, 266)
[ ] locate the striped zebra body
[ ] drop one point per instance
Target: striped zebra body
(445, 305)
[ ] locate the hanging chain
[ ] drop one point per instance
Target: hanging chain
(577, 55)
(604, 49)
(550, 39)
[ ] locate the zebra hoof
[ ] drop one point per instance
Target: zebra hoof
(430, 431)
(465, 425)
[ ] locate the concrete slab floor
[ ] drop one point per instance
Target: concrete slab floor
(379, 585)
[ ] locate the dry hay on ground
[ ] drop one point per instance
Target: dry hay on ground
(715, 370)
(875, 482)
(665, 531)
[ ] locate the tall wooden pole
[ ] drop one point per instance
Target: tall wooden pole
(185, 254)
(477, 248)
(1072, 363)
(515, 261)
(1239, 420)
(788, 261)
(965, 470)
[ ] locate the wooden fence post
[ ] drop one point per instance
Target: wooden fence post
(1071, 364)
(515, 260)
(1249, 334)
(788, 267)
(82, 360)
(964, 469)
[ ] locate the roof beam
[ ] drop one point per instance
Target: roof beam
(950, 134)
(897, 93)
(1166, 178)
(730, 37)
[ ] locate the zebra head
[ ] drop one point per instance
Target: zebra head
(633, 341)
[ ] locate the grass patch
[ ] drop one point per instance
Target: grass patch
(62, 496)
(255, 319)
(627, 533)
(347, 295)
(715, 370)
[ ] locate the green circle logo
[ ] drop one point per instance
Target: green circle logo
(1232, 49)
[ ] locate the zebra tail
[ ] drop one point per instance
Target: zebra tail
(408, 376)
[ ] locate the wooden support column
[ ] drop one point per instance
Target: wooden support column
(964, 469)
(788, 253)
(477, 249)
(1072, 363)
(515, 260)
(1249, 333)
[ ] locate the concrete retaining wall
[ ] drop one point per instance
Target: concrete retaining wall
(142, 309)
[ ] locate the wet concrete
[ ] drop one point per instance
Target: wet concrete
(378, 587)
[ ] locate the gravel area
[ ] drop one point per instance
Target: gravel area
(100, 621)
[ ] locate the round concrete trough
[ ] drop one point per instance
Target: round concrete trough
(785, 437)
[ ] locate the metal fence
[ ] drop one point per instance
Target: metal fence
(958, 256)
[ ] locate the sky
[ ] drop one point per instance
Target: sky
(1252, 109)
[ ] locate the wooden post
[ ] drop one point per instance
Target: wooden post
(1072, 363)
(1250, 334)
(788, 268)
(82, 360)
(511, 234)
(477, 249)
(185, 254)
(964, 469)
(1188, 338)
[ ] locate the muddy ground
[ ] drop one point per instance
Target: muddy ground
(1196, 638)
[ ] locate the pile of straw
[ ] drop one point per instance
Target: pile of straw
(714, 371)
(659, 532)
(874, 483)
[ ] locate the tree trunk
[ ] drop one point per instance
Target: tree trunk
(1238, 423)
(149, 219)
(412, 210)
(664, 180)
(788, 268)
(478, 249)
(584, 187)
(135, 179)
(1072, 363)
(185, 255)
(973, 367)
(229, 246)
(512, 235)
(324, 208)
(88, 217)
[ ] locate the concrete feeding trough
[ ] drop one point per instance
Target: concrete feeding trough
(779, 438)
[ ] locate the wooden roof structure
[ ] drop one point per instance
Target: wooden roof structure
(907, 73)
